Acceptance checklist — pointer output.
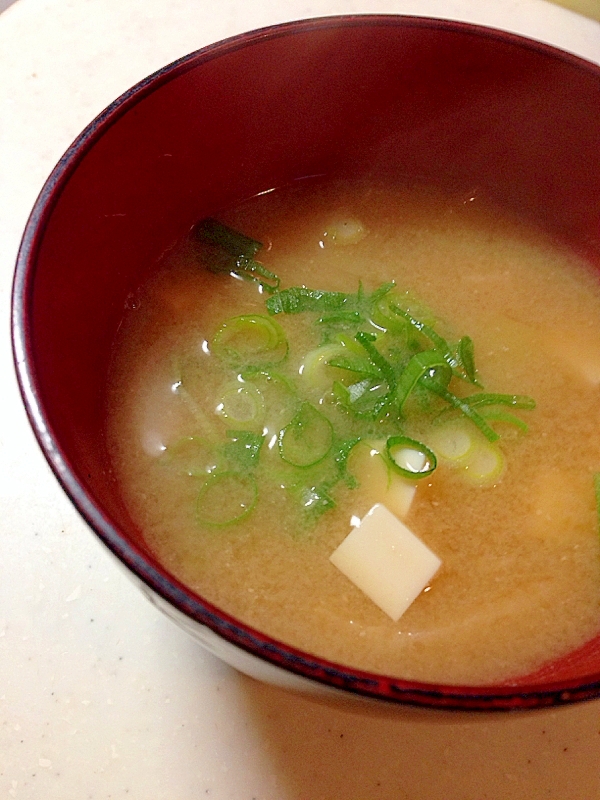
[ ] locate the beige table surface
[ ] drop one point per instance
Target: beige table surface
(100, 697)
(590, 8)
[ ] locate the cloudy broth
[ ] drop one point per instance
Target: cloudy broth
(520, 578)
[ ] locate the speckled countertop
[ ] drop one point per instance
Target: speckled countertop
(101, 697)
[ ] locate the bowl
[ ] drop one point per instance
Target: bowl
(442, 102)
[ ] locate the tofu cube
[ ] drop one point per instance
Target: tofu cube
(380, 484)
(386, 561)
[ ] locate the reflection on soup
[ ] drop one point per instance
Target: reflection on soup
(383, 346)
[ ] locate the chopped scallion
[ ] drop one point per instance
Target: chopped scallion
(367, 341)
(439, 343)
(242, 405)
(307, 439)
(243, 449)
(358, 385)
(341, 456)
(427, 364)
(315, 369)
(341, 318)
(466, 355)
(497, 415)
(250, 340)
(299, 299)
(356, 364)
(225, 498)
(485, 464)
(317, 499)
(456, 402)
(452, 441)
(489, 399)
(410, 458)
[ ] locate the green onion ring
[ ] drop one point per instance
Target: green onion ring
(250, 340)
(410, 444)
(225, 498)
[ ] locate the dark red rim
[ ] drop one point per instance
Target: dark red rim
(477, 698)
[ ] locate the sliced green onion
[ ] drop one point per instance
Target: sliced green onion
(350, 344)
(497, 415)
(298, 299)
(410, 458)
(279, 395)
(225, 498)
(371, 376)
(250, 340)
(366, 340)
(374, 403)
(341, 456)
(466, 355)
(367, 399)
(439, 343)
(383, 316)
(243, 451)
(317, 500)
(356, 364)
(335, 307)
(463, 365)
(380, 292)
(251, 270)
(307, 439)
(430, 364)
(456, 402)
(342, 319)
(484, 464)
(452, 441)
(484, 399)
(316, 370)
(242, 405)
(480, 461)
(489, 399)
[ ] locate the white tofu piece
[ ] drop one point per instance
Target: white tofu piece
(380, 484)
(386, 561)
(400, 495)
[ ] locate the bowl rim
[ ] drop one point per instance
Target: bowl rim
(143, 566)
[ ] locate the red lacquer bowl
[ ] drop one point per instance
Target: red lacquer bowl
(437, 101)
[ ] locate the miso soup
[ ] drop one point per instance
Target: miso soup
(262, 402)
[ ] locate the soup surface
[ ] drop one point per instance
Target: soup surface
(519, 583)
